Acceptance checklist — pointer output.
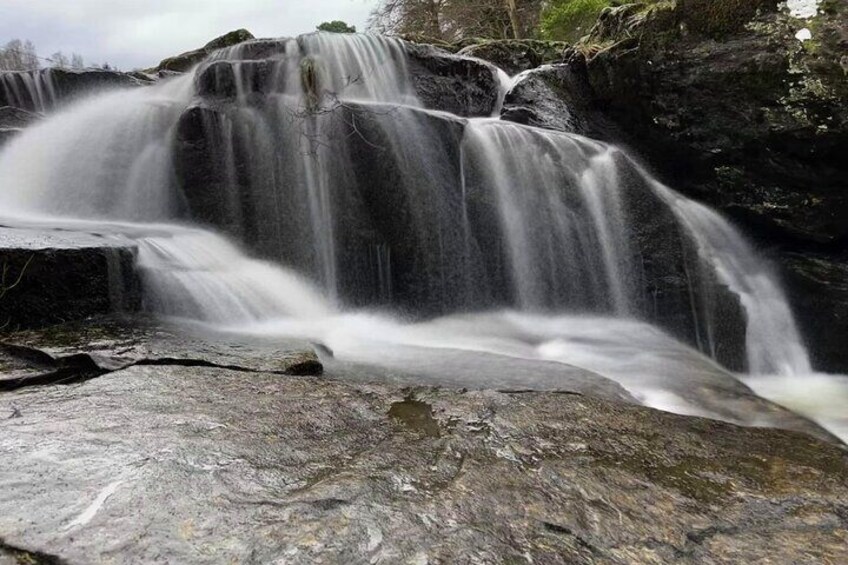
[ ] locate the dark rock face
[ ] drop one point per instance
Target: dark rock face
(219, 79)
(675, 280)
(13, 120)
(818, 283)
(733, 107)
(185, 61)
(453, 84)
(49, 278)
(514, 56)
(201, 163)
(257, 466)
(388, 190)
(11, 117)
(558, 97)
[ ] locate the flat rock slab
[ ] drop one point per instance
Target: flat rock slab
(80, 351)
(206, 465)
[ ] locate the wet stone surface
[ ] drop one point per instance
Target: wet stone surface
(192, 450)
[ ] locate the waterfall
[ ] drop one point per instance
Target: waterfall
(30, 90)
(304, 177)
(774, 344)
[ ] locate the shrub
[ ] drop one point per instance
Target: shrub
(337, 26)
(569, 20)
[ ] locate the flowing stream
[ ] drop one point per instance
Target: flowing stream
(300, 188)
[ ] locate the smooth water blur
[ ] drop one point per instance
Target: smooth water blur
(106, 157)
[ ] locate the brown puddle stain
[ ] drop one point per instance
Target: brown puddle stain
(415, 415)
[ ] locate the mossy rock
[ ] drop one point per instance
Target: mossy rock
(185, 61)
(229, 39)
(516, 55)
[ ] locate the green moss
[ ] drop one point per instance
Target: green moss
(309, 82)
(569, 20)
(691, 477)
(720, 18)
(229, 39)
(783, 463)
(630, 24)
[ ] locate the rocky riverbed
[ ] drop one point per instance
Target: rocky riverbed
(198, 452)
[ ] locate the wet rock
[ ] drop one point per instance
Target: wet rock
(383, 184)
(50, 277)
(818, 283)
(229, 39)
(202, 165)
(685, 299)
(458, 85)
(558, 97)
(411, 191)
(79, 351)
(185, 61)
(732, 107)
(13, 121)
(222, 79)
(262, 468)
(11, 117)
(515, 56)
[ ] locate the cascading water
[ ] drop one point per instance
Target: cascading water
(317, 155)
(33, 91)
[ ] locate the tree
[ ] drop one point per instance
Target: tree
(337, 26)
(451, 20)
(77, 61)
(59, 60)
(18, 55)
(570, 20)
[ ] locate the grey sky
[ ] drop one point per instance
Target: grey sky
(139, 33)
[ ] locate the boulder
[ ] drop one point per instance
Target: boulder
(235, 466)
(185, 61)
(558, 97)
(390, 187)
(443, 81)
(517, 55)
(55, 276)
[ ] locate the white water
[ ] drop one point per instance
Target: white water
(571, 292)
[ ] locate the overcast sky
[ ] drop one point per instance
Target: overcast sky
(139, 33)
